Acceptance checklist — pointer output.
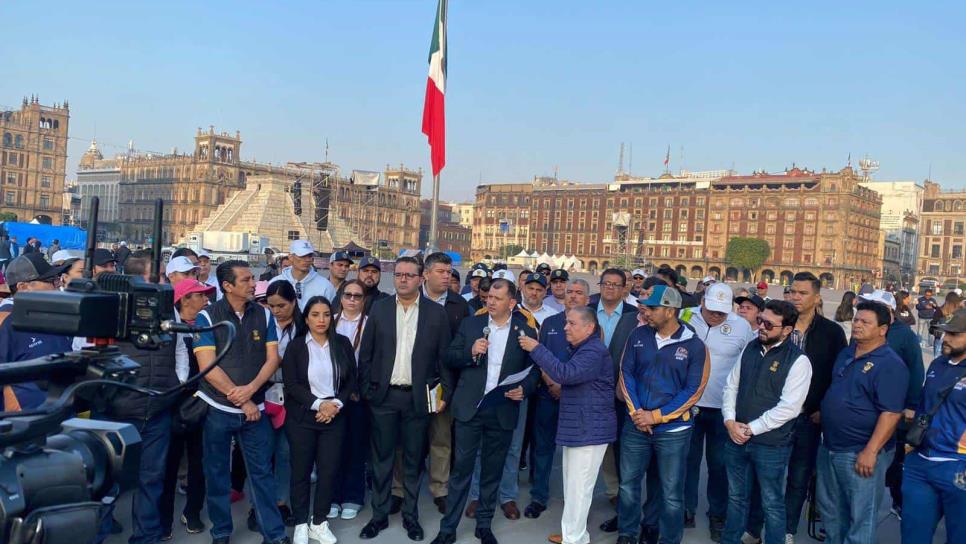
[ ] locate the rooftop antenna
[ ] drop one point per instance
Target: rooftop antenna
(630, 161)
(326, 150)
(620, 162)
(868, 167)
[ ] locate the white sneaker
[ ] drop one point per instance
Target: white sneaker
(748, 538)
(322, 533)
(301, 534)
(789, 538)
(333, 511)
(349, 512)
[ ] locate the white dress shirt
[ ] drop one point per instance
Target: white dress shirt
(499, 336)
(321, 378)
(789, 404)
(541, 313)
(406, 320)
(348, 327)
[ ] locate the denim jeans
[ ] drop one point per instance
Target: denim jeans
(155, 439)
(510, 483)
(751, 465)
(708, 437)
(257, 442)
(806, 437)
(932, 490)
(637, 451)
(544, 446)
(849, 503)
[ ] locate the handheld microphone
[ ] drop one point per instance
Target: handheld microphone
(486, 334)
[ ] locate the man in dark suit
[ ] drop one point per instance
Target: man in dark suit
(484, 361)
(436, 287)
(400, 360)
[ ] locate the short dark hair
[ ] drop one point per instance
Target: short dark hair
(882, 315)
(485, 284)
(784, 309)
(184, 252)
(411, 260)
(437, 258)
(669, 272)
(614, 272)
(226, 271)
(56, 241)
(511, 288)
(138, 263)
(810, 278)
(651, 281)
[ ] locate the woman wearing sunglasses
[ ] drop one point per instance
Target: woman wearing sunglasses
(320, 377)
(349, 487)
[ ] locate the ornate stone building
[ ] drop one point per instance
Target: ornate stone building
(821, 222)
(33, 160)
(450, 234)
(942, 236)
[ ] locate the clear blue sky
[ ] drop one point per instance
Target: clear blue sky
(532, 85)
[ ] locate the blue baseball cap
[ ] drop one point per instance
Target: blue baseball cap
(340, 256)
(535, 277)
(370, 261)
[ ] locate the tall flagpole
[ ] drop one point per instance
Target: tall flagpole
(431, 245)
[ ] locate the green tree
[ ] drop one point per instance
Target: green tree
(510, 250)
(748, 253)
(7, 216)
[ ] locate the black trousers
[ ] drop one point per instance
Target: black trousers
(320, 447)
(483, 432)
(191, 443)
(395, 422)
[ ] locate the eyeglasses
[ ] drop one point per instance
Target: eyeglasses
(405, 275)
(768, 325)
(353, 296)
(611, 285)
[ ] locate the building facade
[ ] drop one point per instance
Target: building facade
(820, 222)
(33, 161)
(891, 259)
(942, 223)
(450, 234)
(901, 203)
(100, 177)
(465, 212)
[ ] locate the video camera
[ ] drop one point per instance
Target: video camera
(55, 469)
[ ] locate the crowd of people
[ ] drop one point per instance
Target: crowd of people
(333, 391)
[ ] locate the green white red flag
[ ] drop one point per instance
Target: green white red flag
(434, 118)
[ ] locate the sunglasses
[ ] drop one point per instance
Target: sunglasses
(353, 296)
(768, 325)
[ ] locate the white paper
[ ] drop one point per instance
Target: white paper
(514, 378)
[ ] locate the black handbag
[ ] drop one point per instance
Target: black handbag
(190, 414)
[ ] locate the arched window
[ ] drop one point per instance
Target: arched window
(18, 142)
(938, 206)
(958, 205)
(7, 139)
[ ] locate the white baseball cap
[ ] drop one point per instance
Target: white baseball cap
(301, 248)
(179, 264)
(63, 255)
(504, 275)
(719, 297)
(882, 297)
(709, 280)
(202, 254)
(639, 272)
(478, 273)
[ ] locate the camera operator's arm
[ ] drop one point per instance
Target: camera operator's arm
(243, 393)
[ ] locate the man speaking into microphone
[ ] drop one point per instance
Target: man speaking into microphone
(493, 379)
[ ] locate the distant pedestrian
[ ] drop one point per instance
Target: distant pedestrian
(121, 254)
(53, 248)
(845, 312)
(926, 306)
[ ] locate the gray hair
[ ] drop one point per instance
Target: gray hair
(581, 283)
(586, 313)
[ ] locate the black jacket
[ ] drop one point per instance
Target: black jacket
(377, 352)
(824, 339)
(626, 325)
(157, 372)
(472, 376)
(295, 373)
(122, 254)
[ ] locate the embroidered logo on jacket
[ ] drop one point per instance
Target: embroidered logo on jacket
(868, 366)
(681, 353)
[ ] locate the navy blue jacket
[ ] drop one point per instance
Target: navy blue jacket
(586, 379)
(905, 343)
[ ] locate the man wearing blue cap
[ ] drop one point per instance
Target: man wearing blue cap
(339, 265)
(534, 293)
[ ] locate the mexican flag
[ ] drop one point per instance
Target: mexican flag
(434, 118)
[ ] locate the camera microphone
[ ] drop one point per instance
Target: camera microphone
(486, 334)
(174, 326)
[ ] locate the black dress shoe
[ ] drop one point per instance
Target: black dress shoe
(372, 529)
(444, 538)
(609, 526)
(533, 510)
(624, 540)
(486, 536)
(649, 535)
(440, 503)
(688, 520)
(413, 530)
(395, 505)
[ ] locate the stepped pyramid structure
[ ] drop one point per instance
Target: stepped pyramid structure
(265, 208)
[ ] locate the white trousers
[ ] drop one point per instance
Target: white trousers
(580, 468)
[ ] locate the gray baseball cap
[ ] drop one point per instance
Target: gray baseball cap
(32, 267)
